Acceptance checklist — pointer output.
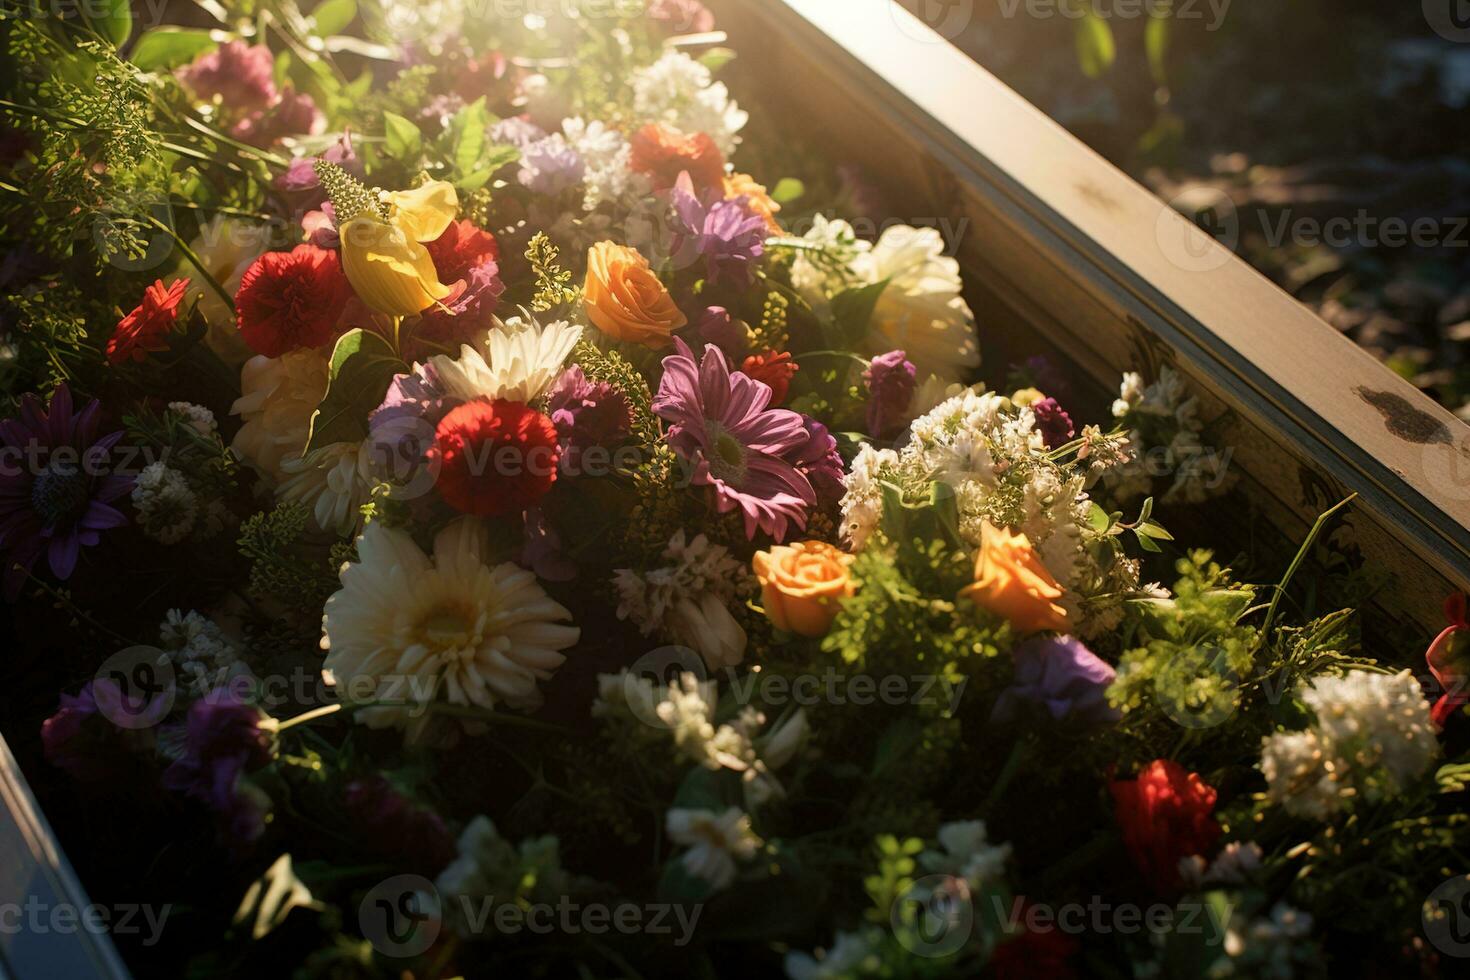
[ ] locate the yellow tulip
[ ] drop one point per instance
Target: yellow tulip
(386, 261)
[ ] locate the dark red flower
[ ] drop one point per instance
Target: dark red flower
(664, 153)
(494, 457)
(468, 254)
(774, 369)
(1449, 661)
(144, 329)
(1054, 424)
(1043, 952)
(290, 300)
(395, 827)
(1165, 814)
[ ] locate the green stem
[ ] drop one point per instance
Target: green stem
(195, 261)
(309, 716)
(1007, 773)
(1296, 563)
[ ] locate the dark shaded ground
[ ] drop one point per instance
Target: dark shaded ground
(1336, 130)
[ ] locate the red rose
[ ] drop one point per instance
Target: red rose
(494, 457)
(290, 300)
(144, 329)
(772, 368)
(663, 153)
(1165, 814)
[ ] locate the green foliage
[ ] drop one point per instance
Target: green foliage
(350, 197)
(285, 566)
(553, 282)
(363, 365)
(613, 368)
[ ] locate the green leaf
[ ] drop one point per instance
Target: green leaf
(1156, 43)
(716, 58)
(331, 16)
(170, 47)
(852, 311)
(363, 365)
(404, 141)
(1151, 530)
(788, 190)
(1096, 49)
(113, 19)
(468, 128)
(1147, 543)
(1098, 519)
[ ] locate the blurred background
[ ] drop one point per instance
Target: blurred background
(1330, 139)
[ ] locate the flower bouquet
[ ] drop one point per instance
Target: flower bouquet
(483, 506)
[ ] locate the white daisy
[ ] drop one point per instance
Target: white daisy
(715, 841)
(416, 628)
(519, 361)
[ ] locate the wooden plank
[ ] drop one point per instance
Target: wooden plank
(35, 874)
(1061, 241)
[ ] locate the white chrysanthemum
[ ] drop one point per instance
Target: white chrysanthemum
(278, 397)
(166, 507)
(333, 482)
(862, 503)
(716, 842)
(446, 627)
(830, 265)
(519, 361)
(681, 92)
(968, 854)
(1297, 777)
(488, 869)
(198, 417)
(852, 954)
(921, 311)
(1376, 721)
(1275, 946)
(201, 655)
(608, 157)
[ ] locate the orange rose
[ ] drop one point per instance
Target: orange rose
(1013, 583)
(802, 585)
(744, 185)
(626, 300)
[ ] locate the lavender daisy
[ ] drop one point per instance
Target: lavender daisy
(729, 235)
(747, 452)
(56, 486)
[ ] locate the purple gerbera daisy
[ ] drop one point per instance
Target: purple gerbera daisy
(56, 486)
(729, 235)
(749, 453)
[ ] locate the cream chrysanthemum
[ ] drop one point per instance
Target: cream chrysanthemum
(278, 396)
(518, 362)
(413, 628)
(921, 311)
(333, 482)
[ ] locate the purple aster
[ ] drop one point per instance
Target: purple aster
(1060, 675)
(240, 75)
(550, 166)
(395, 827)
(222, 740)
(80, 739)
(746, 451)
(1039, 372)
(1054, 424)
(586, 414)
(56, 486)
(300, 175)
(891, 380)
(821, 463)
(718, 327)
(729, 235)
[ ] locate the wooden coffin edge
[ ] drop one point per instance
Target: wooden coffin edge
(33, 867)
(1325, 404)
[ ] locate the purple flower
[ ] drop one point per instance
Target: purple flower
(395, 827)
(550, 166)
(517, 131)
(541, 549)
(241, 76)
(718, 327)
(747, 452)
(222, 741)
(729, 235)
(55, 486)
(890, 379)
(681, 16)
(1058, 674)
(1039, 372)
(821, 463)
(586, 414)
(295, 113)
(401, 429)
(1054, 424)
(300, 175)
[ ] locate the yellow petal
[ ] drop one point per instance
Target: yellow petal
(389, 271)
(424, 212)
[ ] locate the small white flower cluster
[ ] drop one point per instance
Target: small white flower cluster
(689, 599)
(197, 416)
(608, 157)
(686, 709)
(988, 451)
(716, 842)
(967, 853)
(1372, 738)
(490, 868)
(201, 655)
(852, 954)
(166, 506)
(680, 92)
(1269, 947)
(1164, 416)
(1236, 864)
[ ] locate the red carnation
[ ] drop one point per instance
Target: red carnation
(494, 458)
(290, 300)
(145, 328)
(466, 254)
(774, 369)
(663, 153)
(1165, 815)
